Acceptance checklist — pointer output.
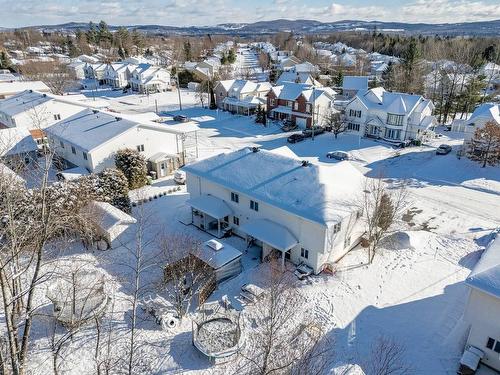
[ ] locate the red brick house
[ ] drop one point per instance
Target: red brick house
(299, 102)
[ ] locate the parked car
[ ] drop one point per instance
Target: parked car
(180, 177)
(404, 144)
(338, 155)
(294, 138)
(181, 118)
(443, 150)
(309, 131)
(251, 293)
(288, 126)
(303, 271)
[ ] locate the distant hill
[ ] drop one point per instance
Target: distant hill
(483, 28)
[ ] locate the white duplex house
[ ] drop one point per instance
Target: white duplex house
(285, 206)
(148, 78)
(392, 116)
(117, 75)
(483, 307)
(241, 96)
(90, 139)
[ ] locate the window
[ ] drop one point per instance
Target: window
(308, 108)
(352, 126)
(392, 133)
(272, 102)
(85, 156)
(235, 198)
(296, 106)
(289, 104)
(304, 253)
(57, 117)
(336, 228)
(254, 205)
(395, 119)
(62, 144)
(236, 220)
(140, 148)
(497, 347)
(491, 343)
(73, 150)
(354, 113)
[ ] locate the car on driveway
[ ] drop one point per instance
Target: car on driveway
(303, 271)
(181, 118)
(251, 293)
(307, 133)
(443, 150)
(338, 155)
(288, 126)
(180, 177)
(294, 138)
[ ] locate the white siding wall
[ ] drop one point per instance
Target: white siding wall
(482, 313)
(311, 235)
(45, 112)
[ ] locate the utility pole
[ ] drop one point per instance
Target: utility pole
(178, 87)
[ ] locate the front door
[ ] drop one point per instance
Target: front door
(163, 169)
(288, 255)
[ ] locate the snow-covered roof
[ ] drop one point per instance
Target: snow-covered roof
(322, 194)
(486, 274)
(8, 175)
(488, 111)
(5, 77)
(291, 91)
(393, 102)
(271, 233)
(22, 102)
(107, 215)
(355, 83)
(73, 173)
(217, 258)
(14, 87)
(15, 141)
(296, 78)
(89, 128)
(215, 207)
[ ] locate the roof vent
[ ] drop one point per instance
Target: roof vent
(215, 245)
(31, 91)
(118, 118)
(255, 149)
(305, 163)
(95, 111)
(44, 95)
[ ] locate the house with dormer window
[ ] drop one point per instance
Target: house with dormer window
(392, 116)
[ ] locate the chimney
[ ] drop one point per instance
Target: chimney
(255, 149)
(305, 163)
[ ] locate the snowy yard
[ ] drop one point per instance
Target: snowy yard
(413, 292)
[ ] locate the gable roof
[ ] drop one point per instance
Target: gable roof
(11, 87)
(485, 276)
(322, 194)
(488, 111)
(295, 78)
(355, 83)
(22, 102)
(15, 141)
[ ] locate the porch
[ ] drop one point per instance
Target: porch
(272, 237)
(210, 214)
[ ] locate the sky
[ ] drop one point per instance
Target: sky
(15, 13)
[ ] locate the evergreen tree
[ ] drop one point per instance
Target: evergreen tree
(103, 33)
(213, 105)
(187, 51)
(138, 40)
(339, 79)
(91, 34)
(231, 56)
(121, 52)
(258, 115)
(4, 61)
(113, 188)
(134, 167)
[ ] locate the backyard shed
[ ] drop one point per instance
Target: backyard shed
(224, 259)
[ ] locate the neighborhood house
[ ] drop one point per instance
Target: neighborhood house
(288, 208)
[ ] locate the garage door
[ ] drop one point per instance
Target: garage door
(301, 122)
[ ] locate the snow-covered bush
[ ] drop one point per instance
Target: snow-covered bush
(112, 186)
(134, 167)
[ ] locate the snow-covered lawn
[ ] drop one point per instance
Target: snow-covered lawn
(413, 292)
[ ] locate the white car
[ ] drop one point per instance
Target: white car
(303, 271)
(180, 177)
(338, 155)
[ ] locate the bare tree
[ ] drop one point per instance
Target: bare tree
(54, 73)
(281, 340)
(31, 220)
(185, 274)
(485, 144)
(387, 358)
(334, 120)
(381, 206)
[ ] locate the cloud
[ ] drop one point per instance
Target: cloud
(211, 12)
